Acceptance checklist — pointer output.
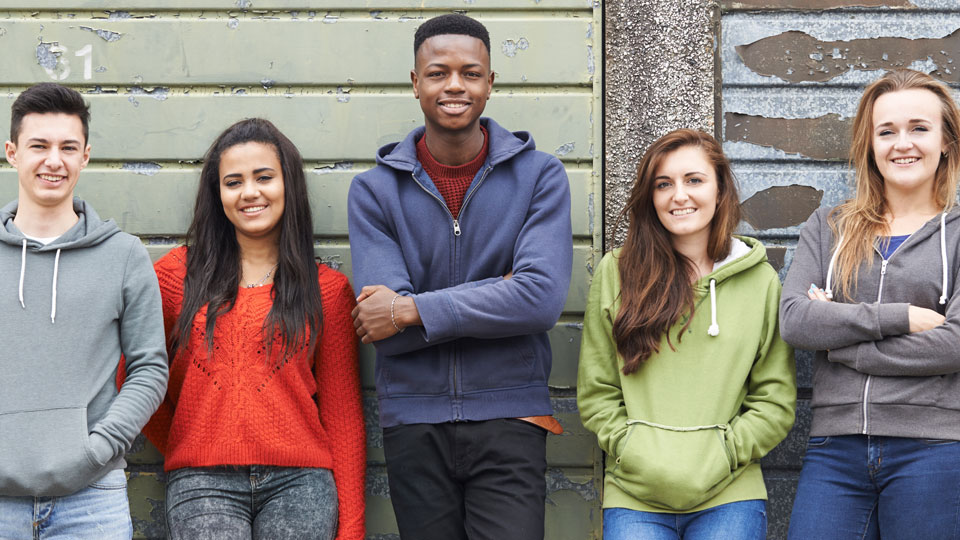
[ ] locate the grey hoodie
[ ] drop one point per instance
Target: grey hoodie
(870, 375)
(70, 308)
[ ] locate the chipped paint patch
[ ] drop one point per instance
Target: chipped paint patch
(267, 83)
(159, 93)
(813, 4)
(48, 56)
(823, 137)
(590, 65)
(107, 35)
(510, 47)
(775, 256)
(333, 167)
(118, 15)
(330, 19)
(233, 23)
(343, 95)
(146, 168)
(779, 207)
(796, 56)
(244, 4)
(557, 481)
(564, 149)
(3, 31)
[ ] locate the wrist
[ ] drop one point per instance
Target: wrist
(406, 313)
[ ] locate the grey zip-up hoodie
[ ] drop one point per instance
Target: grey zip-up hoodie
(870, 375)
(70, 308)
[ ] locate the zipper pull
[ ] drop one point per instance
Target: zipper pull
(883, 267)
(456, 228)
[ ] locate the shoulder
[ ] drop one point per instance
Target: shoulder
(332, 282)
(172, 267)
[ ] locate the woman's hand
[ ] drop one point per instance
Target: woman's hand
(816, 293)
(923, 319)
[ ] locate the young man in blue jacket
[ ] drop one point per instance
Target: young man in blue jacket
(461, 246)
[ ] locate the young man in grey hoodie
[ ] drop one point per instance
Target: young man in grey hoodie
(76, 293)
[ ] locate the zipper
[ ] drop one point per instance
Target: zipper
(866, 385)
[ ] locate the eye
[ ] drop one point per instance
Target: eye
(694, 180)
(232, 183)
(663, 185)
(435, 74)
(921, 128)
(473, 75)
(37, 146)
(884, 132)
(264, 178)
(69, 148)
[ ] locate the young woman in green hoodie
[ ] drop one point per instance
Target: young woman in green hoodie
(683, 374)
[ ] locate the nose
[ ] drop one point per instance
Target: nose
(903, 141)
(250, 190)
(454, 82)
(54, 159)
(680, 192)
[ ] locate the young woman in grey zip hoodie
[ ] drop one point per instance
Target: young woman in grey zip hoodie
(872, 288)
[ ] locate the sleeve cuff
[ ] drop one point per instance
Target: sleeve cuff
(894, 319)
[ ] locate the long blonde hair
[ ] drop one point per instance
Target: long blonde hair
(859, 220)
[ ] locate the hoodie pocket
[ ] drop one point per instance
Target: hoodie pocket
(676, 468)
(45, 452)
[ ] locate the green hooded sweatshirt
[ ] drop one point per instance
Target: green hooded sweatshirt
(686, 431)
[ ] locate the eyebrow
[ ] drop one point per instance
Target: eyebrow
(445, 66)
(255, 171)
(911, 121)
(45, 141)
(691, 173)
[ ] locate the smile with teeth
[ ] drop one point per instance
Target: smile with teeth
(682, 211)
(453, 105)
(906, 160)
(51, 177)
(252, 209)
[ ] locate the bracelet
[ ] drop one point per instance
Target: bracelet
(393, 317)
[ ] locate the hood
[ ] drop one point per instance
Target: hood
(745, 253)
(503, 146)
(90, 230)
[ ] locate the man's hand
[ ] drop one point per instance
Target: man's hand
(372, 318)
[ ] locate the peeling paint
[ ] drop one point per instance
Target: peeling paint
(564, 149)
(267, 83)
(823, 137)
(510, 47)
(107, 35)
(591, 212)
(590, 66)
(118, 15)
(159, 93)
(3, 31)
(233, 23)
(375, 14)
(134, 101)
(781, 206)
(775, 256)
(101, 69)
(796, 56)
(814, 4)
(343, 95)
(330, 19)
(146, 168)
(47, 57)
(333, 167)
(557, 481)
(244, 4)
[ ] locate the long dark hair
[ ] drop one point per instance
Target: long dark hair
(213, 254)
(655, 286)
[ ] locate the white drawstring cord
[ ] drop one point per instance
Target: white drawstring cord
(53, 302)
(23, 268)
(714, 329)
(943, 256)
(833, 261)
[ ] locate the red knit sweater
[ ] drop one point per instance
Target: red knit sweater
(237, 408)
(452, 181)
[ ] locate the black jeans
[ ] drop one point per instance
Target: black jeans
(467, 480)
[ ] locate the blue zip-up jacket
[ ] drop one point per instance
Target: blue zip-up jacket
(483, 351)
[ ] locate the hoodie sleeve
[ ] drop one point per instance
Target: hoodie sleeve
(599, 390)
(532, 300)
(918, 354)
(816, 325)
(769, 407)
(144, 349)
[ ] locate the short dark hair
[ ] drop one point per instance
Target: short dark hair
(46, 98)
(451, 23)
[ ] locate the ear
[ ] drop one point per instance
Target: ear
(10, 150)
(492, 76)
(414, 79)
(86, 157)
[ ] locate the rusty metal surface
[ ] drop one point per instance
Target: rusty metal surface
(781, 206)
(792, 135)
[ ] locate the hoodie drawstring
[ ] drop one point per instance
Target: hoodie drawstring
(714, 329)
(943, 256)
(53, 301)
(833, 261)
(23, 268)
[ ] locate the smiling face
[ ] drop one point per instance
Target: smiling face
(452, 80)
(685, 194)
(907, 139)
(49, 153)
(251, 190)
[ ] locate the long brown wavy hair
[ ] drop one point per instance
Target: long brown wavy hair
(860, 219)
(655, 289)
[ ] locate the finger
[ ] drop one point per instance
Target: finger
(812, 295)
(355, 312)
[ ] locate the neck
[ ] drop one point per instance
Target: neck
(258, 251)
(454, 148)
(44, 221)
(908, 210)
(695, 249)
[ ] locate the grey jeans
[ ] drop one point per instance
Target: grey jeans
(249, 503)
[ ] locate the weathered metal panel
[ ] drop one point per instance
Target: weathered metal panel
(305, 8)
(172, 50)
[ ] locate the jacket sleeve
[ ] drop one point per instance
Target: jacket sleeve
(144, 349)
(341, 412)
(532, 300)
(816, 325)
(918, 354)
(599, 390)
(769, 407)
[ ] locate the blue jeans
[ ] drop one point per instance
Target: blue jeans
(99, 511)
(866, 487)
(259, 501)
(742, 520)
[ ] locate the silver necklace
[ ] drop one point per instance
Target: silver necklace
(264, 278)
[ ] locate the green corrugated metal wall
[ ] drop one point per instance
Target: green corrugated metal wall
(164, 77)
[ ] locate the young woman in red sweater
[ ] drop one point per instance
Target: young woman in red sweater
(262, 427)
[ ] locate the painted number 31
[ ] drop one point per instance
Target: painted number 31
(62, 69)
